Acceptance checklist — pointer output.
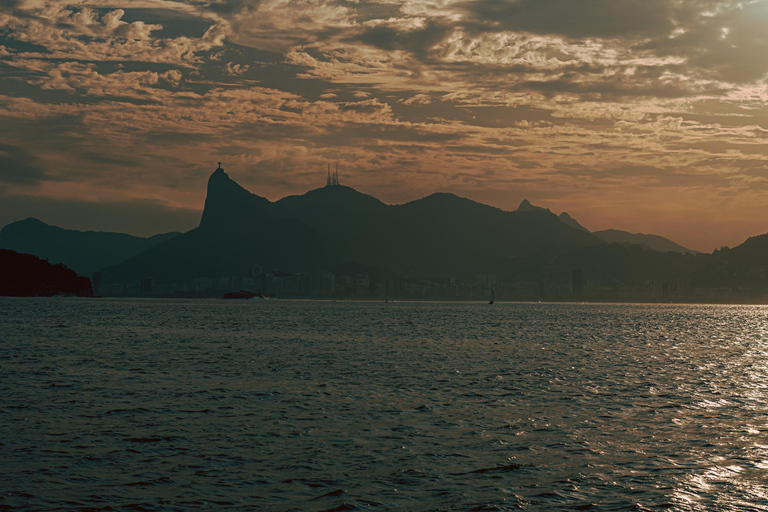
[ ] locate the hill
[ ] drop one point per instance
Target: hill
(616, 236)
(652, 242)
(83, 251)
(414, 250)
(25, 275)
(567, 219)
(336, 226)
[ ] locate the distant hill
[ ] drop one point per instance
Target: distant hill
(652, 242)
(338, 227)
(83, 251)
(744, 266)
(570, 221)
(526, 206)
(25, 275)
(754, 251)
(531, 253)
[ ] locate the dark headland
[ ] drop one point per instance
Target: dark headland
(25, 275)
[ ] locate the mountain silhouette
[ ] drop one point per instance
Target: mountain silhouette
(337, 226)
(26, 275)
(744, 266)
(531, 253)
(649, 242)
(526, 206)
(652, 242)
(226, 200)
(83, 251)
(570, 221)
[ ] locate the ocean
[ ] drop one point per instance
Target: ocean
(133, 404)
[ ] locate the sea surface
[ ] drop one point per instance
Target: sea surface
(317, 406)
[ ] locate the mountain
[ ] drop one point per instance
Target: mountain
(754, 251)
(25, 275)
(526, 206)
(652, 242)
(337, 227)
(744, 267)
(532, 253)
(237, 230)
(570, 221)
(83, 251)
(227, 202)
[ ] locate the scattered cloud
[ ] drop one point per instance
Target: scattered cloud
(558, 99)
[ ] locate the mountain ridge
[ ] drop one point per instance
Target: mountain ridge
(652, 242)
(441, 234)
(83, 251)
(647, 241)
(340, 229)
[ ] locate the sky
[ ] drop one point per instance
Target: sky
(643, 115)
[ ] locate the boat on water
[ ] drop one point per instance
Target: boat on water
(244, 295)
(493, 296)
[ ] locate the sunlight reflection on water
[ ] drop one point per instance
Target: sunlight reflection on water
(165, 405)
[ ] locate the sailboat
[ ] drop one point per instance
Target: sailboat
(493, 296)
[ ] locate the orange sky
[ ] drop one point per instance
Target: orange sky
(643, 115)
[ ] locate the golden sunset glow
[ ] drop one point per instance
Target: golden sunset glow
(648, 116)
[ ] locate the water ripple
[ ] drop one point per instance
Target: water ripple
(318, 406)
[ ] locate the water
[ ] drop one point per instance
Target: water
(274, 405)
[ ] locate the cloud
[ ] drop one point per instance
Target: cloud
(558, 98)
(418, 99)
(278, 25)
(233, 69)
(18, 166)
(725, 43)
(580, 19)
(86, 79)
(82, 33)
(416, 35)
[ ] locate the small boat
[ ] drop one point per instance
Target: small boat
(493, 296)
(243, 295)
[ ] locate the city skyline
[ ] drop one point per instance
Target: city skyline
(643, 116)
